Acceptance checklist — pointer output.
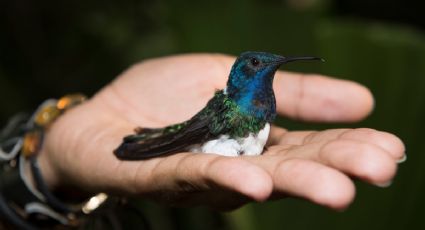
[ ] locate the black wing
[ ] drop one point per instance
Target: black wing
(194, 131)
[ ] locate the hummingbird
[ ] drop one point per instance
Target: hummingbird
(235, 121)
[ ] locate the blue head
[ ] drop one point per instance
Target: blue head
(250, 82)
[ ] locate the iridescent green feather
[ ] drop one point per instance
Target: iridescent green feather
(226, 117)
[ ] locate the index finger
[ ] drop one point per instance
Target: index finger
(312, 97)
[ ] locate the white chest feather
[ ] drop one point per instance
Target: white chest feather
(252, 145)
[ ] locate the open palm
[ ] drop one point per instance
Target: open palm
(317, 166)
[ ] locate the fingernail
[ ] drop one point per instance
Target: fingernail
(385, 184)
(403, 159)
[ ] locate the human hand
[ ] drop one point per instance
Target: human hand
(318, 166)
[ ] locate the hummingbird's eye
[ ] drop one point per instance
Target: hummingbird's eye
(255, 62)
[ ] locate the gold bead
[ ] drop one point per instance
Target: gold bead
(31, 143)
(46, 116)
(70, 101)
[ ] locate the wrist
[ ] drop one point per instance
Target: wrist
(51, 174)
(55, 161)
(50, 151)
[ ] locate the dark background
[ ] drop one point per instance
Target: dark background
(50, 48)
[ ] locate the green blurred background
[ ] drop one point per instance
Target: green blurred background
(50, 48)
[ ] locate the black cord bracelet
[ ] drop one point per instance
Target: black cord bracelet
(51, 199)
(25, 199)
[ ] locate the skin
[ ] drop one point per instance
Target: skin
(313, 165)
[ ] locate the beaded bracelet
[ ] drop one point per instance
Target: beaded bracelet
(25, 199)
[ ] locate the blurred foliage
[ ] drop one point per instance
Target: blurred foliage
(49, 48)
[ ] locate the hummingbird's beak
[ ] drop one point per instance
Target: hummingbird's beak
(282, 60)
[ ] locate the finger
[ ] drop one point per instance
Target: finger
(365, 161)
(188, 171)
(387, 141)
(315, 182)
(320, 98)
(355, 158)
(384, 140)
(242, 176)
(303, 177)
